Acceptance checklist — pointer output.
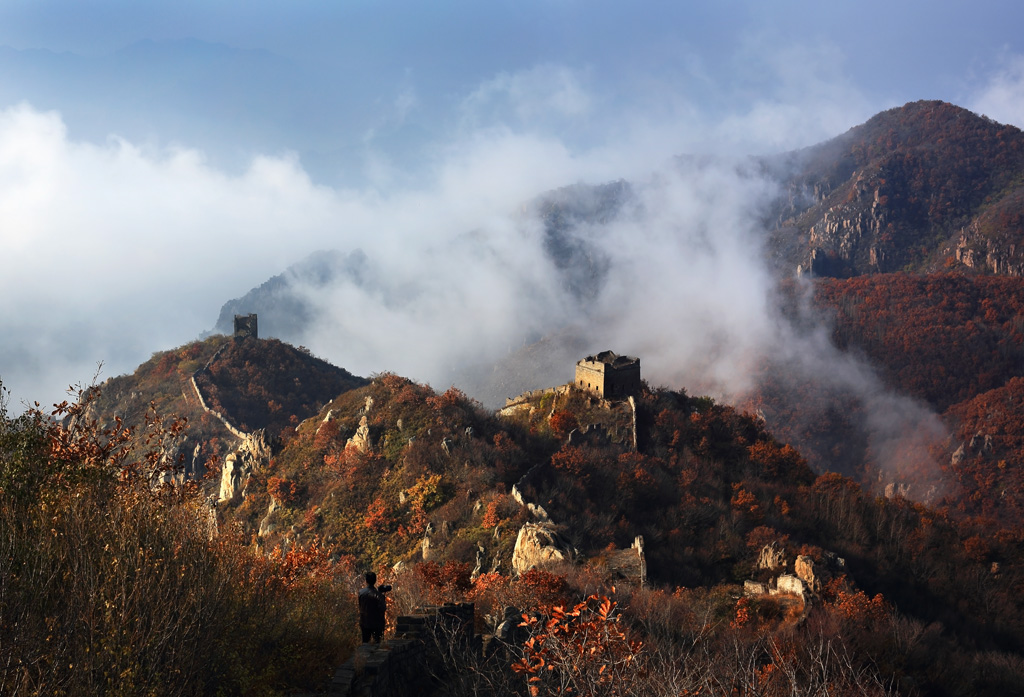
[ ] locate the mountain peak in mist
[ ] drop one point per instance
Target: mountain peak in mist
(906, 190)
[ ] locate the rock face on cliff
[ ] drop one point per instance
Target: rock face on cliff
(180, 462)
(994, 241)
(772, 557)
(812, 575)
(268, 525)
(539, 545)
(848, 235)
(252, 452)
(923, 186)
(361, 439)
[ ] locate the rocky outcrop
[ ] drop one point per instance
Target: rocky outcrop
(481, 558)
(984, 253)
(254, 451)
(813, 576)
(848, 235)
(806, 579)
(979, 444)
(772, 557)
(179, 463)
(361, 440)
(233, 477)
(896, 489)
(268, 526)
(539, 545)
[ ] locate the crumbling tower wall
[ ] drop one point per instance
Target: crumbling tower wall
(245, 325)
(609, 375)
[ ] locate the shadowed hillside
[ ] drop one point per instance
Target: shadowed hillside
(252, 383)
(268, 384)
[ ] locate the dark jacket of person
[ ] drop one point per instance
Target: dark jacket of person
(372, 607)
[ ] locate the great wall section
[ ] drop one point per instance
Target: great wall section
(436, 642)
(419, 656)
(234, 430)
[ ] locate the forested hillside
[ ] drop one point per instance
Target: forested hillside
(920, 187)
(395, 473)
(419, 485)
(956, 342)
(228, 494)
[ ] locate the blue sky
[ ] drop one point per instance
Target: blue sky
(158, 158)
(343, 83)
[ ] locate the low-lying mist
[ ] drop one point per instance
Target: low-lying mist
(670, 268)
(115, 250)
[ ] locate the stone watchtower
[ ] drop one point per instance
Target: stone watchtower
(609, 375)
(245, 325)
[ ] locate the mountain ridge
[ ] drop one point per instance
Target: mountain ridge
(902, 191)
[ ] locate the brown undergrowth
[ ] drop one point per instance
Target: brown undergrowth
(112, 586)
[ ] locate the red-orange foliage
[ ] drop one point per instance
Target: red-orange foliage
(377, 516)
(449, 400)
(742, 616)
(746, 503)
(943, 338)
(496, 510)
(326, 433)
(444, 582)
(284, 491)
(310, 563)
(585, 651)
(858, 608)
(504, 444)
(932, 166)
(264, 383)
(537, 588)
(534, 589)
(990, 429)
(563, 422)
(574, 461)
(775, 460)
(763, 535)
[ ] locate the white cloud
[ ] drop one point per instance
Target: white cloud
(800, 95)
(112, 251)
(1002, 96)
(539, 96)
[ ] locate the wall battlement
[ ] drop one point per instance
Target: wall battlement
(534, 394)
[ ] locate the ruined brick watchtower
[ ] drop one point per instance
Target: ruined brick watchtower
(245, 325)
(609, 375)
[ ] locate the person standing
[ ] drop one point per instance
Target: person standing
(372, 608)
